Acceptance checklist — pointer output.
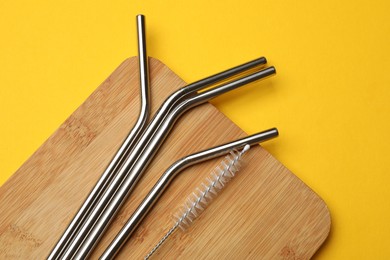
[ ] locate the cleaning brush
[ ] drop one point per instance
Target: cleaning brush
(204, 194)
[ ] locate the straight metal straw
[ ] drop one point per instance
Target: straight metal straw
(118, 192)
(121, 154)
(160, 186)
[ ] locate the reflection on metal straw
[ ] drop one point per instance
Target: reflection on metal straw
(121, 154)
(169, 175)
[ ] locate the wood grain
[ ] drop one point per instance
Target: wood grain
(266, 212)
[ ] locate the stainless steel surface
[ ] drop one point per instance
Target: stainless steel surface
(116, 194)
(121, 154)
(169, 175)
(167, 106)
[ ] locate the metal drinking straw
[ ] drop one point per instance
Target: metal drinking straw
(121, 154)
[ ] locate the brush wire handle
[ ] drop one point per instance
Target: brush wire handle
(204, 194)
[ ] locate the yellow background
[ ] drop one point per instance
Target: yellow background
(330, 99)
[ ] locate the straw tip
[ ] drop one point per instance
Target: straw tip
(262, 60)
(271, 133)
(275, 132)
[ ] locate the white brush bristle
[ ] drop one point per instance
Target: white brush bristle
(209, 189)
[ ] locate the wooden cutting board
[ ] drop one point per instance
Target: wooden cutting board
(266, 212)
